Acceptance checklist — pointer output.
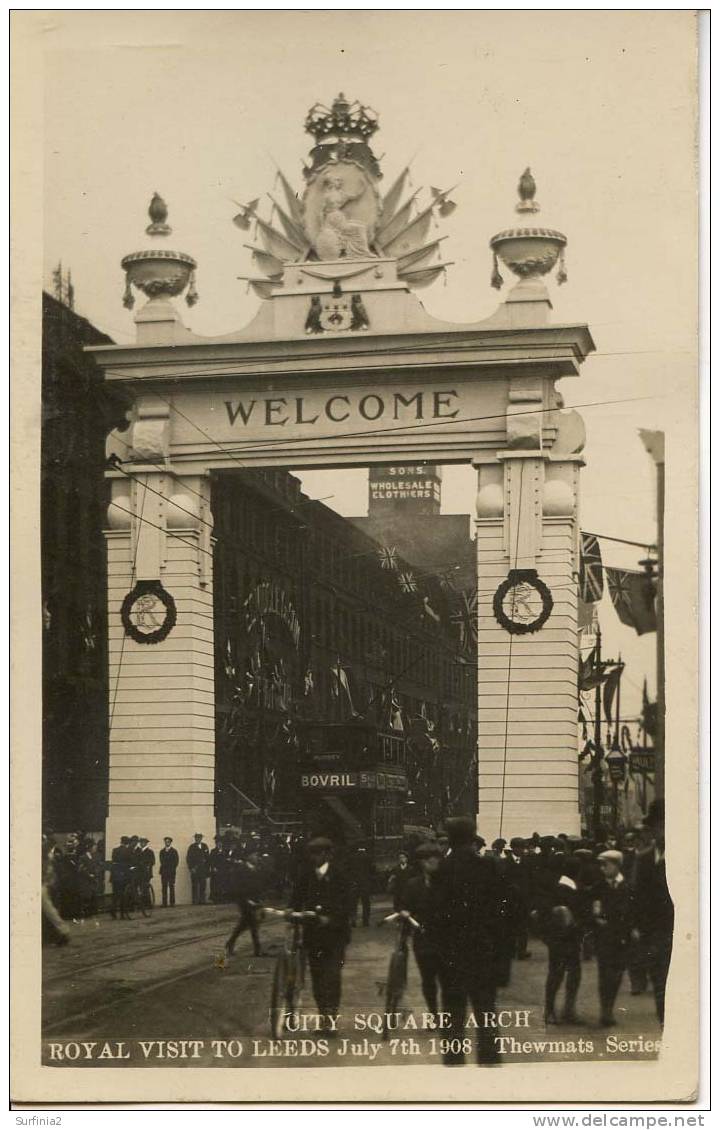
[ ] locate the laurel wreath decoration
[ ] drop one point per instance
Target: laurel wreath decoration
(515, 579)
(141, 623)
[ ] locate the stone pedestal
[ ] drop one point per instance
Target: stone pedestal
(162, 714)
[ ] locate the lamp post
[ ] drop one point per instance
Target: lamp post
(616, 762)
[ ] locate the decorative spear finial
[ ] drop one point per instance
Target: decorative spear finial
(158, 213)
(526, 191)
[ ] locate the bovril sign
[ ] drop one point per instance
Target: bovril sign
(322, 781)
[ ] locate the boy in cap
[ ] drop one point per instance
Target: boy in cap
(612, 911)
(416, 900)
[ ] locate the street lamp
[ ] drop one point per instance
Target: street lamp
(616, 763)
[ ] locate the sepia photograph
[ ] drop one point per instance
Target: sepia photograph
(356, 632)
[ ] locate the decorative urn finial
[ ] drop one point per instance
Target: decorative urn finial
(158, 213)
(159, 274)
(528, 252)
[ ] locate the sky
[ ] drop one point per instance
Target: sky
(601, 105)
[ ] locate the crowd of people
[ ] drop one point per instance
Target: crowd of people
(478, 907)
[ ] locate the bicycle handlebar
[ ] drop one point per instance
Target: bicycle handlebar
(405, 917)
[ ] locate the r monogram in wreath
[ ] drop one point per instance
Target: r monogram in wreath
(148, 612)
(522, 603)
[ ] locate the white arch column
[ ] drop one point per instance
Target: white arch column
(161, 708)
(527, 680)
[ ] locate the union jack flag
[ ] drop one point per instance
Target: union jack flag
(591, 569)
(407, 582)
(387, 557)
(466, 619)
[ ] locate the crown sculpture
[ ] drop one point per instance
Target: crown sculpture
(342, 214)
(528, 252)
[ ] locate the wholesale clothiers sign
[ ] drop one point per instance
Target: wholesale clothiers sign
(352, 781)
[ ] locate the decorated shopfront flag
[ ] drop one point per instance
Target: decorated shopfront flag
(340, 686)
(633, 595)
(591, 569)
(466, 619)
(611, 688)
(387, 556)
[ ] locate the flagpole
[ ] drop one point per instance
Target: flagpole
(261, 719)
(597, 754)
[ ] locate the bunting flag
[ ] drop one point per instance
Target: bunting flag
(591, 569)
(466, 619)
(309, 682)
(611, 688)
(291, 198)
(88, 631)
(587, 618)
(339, 681)
(392, 197)
(430, 611)
(633, 595)
(589, 676)
(388, 558)
(228, 662)
(396, 719)
(407, 582)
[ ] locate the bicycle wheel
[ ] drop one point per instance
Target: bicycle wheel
(295, 981)
(147, 900)
(396, 982)
(127, 901)
(279, 996)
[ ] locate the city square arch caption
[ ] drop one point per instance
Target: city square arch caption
(276, 411)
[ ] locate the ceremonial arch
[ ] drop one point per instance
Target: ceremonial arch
(342, 367)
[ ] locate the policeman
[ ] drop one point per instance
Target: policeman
(169, 860)
(216, 865)
(323, 888)
(198, 863)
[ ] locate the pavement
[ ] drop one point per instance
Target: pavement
(153, 992)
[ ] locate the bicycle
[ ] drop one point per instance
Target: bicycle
(289, 975)
(137, 895)
(397, 970)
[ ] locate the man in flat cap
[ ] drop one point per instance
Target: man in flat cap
(323, 889)
(466, 925)
(612, 912)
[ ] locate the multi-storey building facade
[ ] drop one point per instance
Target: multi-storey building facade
(344, 695)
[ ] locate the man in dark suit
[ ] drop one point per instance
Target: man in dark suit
(362, 873)
(198, 863)
(169, 860)
(147, 858)
(465, 924)
(654, 910)
(247, 881)
(613, 915)
(217, 867)
(120, 864)
(324, 889)
(518, 875)
(416, 900)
